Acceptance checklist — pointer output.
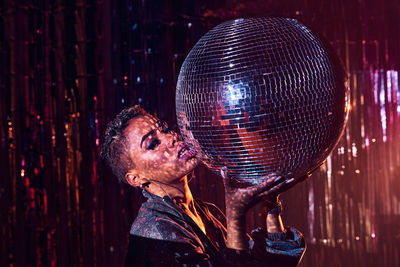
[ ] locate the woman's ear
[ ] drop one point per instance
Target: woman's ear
(133, 179)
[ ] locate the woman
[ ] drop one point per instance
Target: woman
(173, 229)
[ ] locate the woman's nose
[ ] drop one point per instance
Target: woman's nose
(172, 139)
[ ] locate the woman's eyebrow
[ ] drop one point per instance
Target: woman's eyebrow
(145, 136)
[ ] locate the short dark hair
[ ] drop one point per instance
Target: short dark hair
(114, 147)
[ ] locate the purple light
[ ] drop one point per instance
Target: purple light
(376, 86)
(381, 89)
(389, 85)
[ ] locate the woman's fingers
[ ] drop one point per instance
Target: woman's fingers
(224, 172)
(278, 187)
(225, 178)
(270, 181)
(272, 184)
(283, 186)
(303, 178)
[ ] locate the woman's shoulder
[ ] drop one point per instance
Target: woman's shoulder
(161, 223)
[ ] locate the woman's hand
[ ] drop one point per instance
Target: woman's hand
(272, 196)
(239, 200)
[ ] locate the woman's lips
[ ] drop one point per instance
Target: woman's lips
(185, 152)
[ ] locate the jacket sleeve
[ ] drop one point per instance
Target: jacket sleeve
(282, 249)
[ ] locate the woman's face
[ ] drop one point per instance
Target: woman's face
(158, 154)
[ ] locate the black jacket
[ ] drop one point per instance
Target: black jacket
(162, 235)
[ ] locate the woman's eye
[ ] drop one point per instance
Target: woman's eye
(153, 144)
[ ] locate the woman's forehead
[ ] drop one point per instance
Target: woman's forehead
(142, 123)
(140, 126)
(146, 119)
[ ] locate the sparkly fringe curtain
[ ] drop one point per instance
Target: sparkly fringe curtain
(67, 67)
(52, 81)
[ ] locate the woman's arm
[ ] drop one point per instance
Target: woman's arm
(274, 222)
(239, 200)
(237, 203)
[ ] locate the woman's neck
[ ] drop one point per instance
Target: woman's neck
(182, 197)
(186, 204)
(178, 192)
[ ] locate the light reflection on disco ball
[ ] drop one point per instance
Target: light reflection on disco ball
(261, 95)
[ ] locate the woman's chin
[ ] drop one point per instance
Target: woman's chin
(193, 162)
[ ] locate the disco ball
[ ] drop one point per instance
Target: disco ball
(261, 96)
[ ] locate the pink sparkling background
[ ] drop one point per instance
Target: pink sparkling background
(67, 67)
